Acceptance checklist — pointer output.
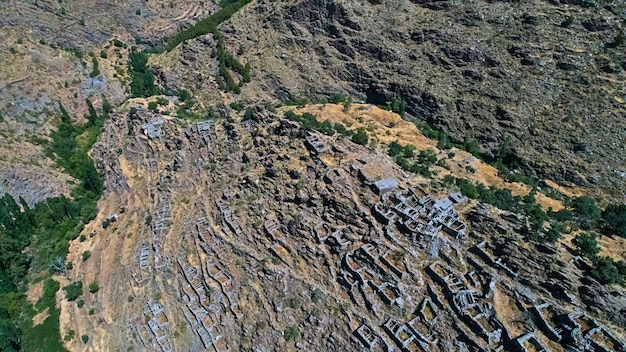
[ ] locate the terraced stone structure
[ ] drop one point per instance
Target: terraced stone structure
(262, 228)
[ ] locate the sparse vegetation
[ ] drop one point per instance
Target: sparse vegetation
(69, 336)
(317, 295)
(292, 302)
(309, 122)
(292, 333)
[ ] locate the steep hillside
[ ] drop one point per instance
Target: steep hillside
(256, 235)
(311, 175)
(542, 80)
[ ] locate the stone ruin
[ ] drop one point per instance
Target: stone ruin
(410, 265)
(316, 144)
(153, 128)
(153, 328)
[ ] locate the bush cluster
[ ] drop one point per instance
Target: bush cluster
(142, 79)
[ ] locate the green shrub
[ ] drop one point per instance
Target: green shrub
(426, 157)
(360, 137)
(237, 105)
(118, 43)
(342, 130)
(142, 79)
(152, 105)
(337, 98)
(86, 255)
(467, 188)
(618, 40)
(94, 287)
(292, 333)
(403, 162)
(587, 245)
(293, 302)
(553, 234)
(309, 122)
(96, 68)
(471, 146)
(296, 101)
(103, 54)
(395, 148)
(80, 303)
(605, 271)
(247, 115)
(73, 290)
(85, 338)
(561, 215)
(586, 208)
(443, 141)
(48, 299)
(398, 106)
(106, 106)
(500, 198)
(317, 295)
(615, 219)
(69, 335)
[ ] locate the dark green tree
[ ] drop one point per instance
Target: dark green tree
(587, 245)
(73, 290)
(395, 148)
(615, 218)
(606, 271)
(93, 115)
(360, 137)
(142, 83)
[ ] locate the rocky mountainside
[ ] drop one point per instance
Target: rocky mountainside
(256, 235)
(243, 211)
(48, 51)
(546, 78)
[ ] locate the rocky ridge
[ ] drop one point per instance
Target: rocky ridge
(256, 235)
